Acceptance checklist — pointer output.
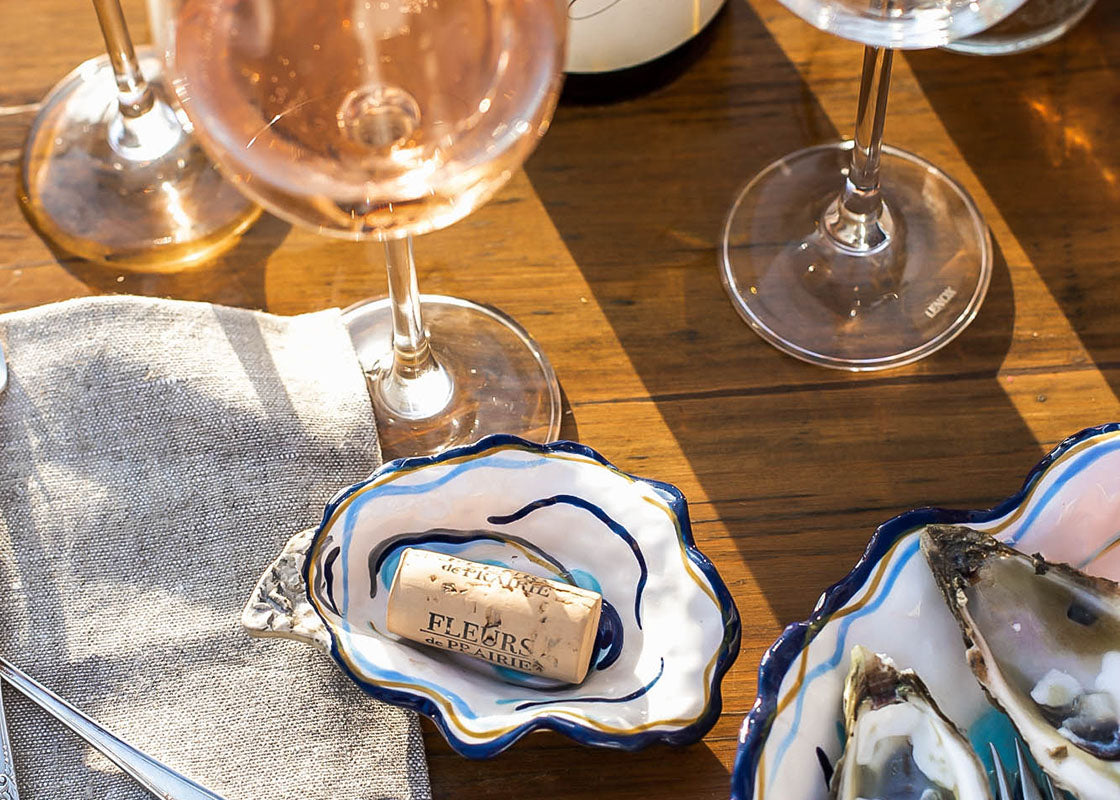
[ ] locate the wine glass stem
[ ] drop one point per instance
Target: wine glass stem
(858, 220)
(416, 386)
(135, 95)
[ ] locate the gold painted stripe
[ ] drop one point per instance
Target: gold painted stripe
(394, 476)
(688, 565)
(1021, 509)
(488, 733)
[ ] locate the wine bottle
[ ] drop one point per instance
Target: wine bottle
(619, 48)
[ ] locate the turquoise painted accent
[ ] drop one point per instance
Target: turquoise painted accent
(585, 580)
(521, 679)
(389, 568)
(996, 728)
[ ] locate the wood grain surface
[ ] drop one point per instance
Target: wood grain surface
(604, 247)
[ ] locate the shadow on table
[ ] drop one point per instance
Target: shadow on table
(569, 426)
(555, 767)
(800, 463)
(1039, 130)
(235, 278)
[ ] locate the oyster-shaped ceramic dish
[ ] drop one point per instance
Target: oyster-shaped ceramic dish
(668, 633)
(1068, 510)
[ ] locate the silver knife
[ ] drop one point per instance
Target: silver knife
(162, 781)
(8, 788)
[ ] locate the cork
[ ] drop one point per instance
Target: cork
(508, 618)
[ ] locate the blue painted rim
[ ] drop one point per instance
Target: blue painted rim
(777, 661)
(728, 651)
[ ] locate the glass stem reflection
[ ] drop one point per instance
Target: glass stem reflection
(416, 385)
(145, 128)
(136, 95)
(859, 221)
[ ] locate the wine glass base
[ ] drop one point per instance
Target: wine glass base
(158, 205)
(838, 308)
(501, 381)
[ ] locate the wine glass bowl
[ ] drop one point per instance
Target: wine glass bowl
(368, 119)
(902, 24)
(378, 120)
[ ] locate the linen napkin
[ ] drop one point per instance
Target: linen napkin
(157, 456)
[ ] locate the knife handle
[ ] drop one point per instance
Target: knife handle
(8, 788)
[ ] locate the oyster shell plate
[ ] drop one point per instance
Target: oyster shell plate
(1068, 510)
(668, 634)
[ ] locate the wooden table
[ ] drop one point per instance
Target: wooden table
(605, 248)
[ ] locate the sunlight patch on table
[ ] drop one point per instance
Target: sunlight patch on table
(623, 445)
(913, 124)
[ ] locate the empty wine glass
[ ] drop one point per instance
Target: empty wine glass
(378, 120)
(857, 255)
(111, 173)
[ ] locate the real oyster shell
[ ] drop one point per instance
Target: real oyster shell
(1043, 640)
(899, 745)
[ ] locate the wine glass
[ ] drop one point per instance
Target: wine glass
(857, 255)
(111, 173)
(379, 120)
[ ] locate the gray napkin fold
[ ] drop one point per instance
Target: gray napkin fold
(157, 456)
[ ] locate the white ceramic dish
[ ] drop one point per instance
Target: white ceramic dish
(1068, 509)
(669, 630)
